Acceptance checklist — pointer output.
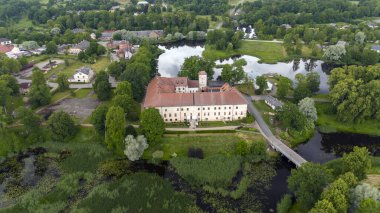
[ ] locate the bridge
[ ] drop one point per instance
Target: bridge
(274, 142)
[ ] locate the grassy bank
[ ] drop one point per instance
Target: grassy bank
(210, 143)
(268, 52)
(328, 123)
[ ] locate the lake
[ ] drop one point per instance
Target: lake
(169, 64)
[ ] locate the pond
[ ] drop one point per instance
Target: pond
(169, 64)
(325, 147)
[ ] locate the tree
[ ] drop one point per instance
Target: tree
(11, 83)
(9, 65)
(5, 93)
(61, 126)
(307, 183)
(234, 73)
(98, 118)
(357, 162)
(307, 107)
(134, 147)
(334, 53)
(63, 83)
(368, 205)
(290, 116)
(115, 124)
(301, 91)
(31, 122)
(51, 48)
(102, 87)
(194, 64)
(363, 192)
(285, 204)
(259, 148)
(152, 125)
(323, 206)
(313, 81)
(360, 38)
(283, 86)
(29, 45)
(261, 82)
(124, 98)
(39, 94)
(337, 193)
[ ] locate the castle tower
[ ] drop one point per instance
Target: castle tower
(202, 77)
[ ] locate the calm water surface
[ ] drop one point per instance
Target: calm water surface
(170, 62)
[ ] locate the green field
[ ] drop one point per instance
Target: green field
(328, 122)
(210, 143)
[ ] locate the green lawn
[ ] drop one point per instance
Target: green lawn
(210, 143)
(268, 52)
(328, 122)
(82, 93)
(58, 95)
(246, 88)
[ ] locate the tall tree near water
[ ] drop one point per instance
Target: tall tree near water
(39, 94)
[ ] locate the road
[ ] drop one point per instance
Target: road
(276, 144)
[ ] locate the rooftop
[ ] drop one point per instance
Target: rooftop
(4, 39)
(83, 45)
(84, 70)
(161, 93)
(5, 49)
(375, 47)
(273, 101)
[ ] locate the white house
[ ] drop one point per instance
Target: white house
(82, 75)
(5, 41)
(273, 103)
(181, 99)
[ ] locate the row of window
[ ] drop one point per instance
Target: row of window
(171, 120)
(204, 108)
(204, 114)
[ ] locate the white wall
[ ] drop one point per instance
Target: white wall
(204, 113)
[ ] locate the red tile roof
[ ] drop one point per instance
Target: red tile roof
(6, 48)
(161, 93)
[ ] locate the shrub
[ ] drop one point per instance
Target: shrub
(284, 205)
(259, 148)
(195, 153)
(241, 148)
(114, 168)
(130, 130)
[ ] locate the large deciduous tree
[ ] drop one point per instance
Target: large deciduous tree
(102, 87)
(334, 53)
(61, 126)
(283, 86)
(194, 64)
(261, 82)
(152, 125)
(98, 118)
(357, 162)
(313, 81)
(308, 182)
(39, 94)
(63, 83)
(115, 128)
(307, 107)
(290, 116)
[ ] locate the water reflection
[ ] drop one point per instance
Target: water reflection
(325, 147)
(169, 64)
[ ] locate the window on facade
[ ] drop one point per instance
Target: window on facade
(236, 107)
(199, 114)
(166, 110)
(214, 108)
(225, 107)
(218, 113)
(241, 113)
(170, 115)
(181, 109)
(208, 108)
(224, 113)
(175, 114)
(208, 113)
(176, 119)
(239, 118)
(214, 113)
(229, 107)
(164, 115)
(177, 109)
(170, 119)
(184, 114)
(219, 107)
(187, 109)
(203, 108)
(206, 119)
(216, 118)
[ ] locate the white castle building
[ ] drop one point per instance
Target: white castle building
(180, 99)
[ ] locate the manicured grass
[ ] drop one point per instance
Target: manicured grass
(328, 123)
(205, 124)
(101, 64)
(210, 143)
(213, 24)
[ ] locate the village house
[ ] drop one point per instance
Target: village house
(6, 48)
(273, 102)
(153, 34)
(107, 35)
(82, 46)
(93, 36)
(82, 75)
(183, 100)
(5, 41)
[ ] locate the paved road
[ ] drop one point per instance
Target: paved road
(273, 141)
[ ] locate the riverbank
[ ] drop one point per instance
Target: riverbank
(328, 123)
(268, 52)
